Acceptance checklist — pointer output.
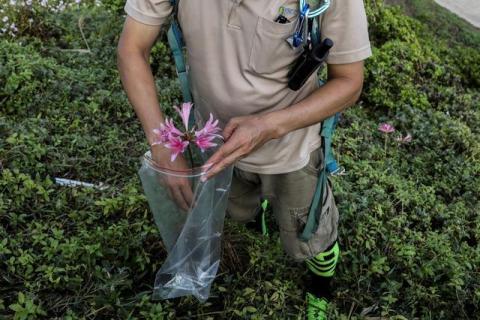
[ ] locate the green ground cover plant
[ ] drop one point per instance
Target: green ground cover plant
(409, 211)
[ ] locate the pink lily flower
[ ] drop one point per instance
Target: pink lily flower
(171, 129)
(185, 113)
(177, 145)
(386, 128)
(178, 141)
(210, 128)
(165, 132)
(204, 140)
(204, 137)
(161, 134)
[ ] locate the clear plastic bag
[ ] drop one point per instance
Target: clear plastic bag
(193, 238)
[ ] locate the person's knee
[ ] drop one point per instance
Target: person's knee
(296, 256)
(296, 249)
(302, 251)
(239, 214)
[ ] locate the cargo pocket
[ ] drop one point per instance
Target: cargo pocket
(271, 54)
(299, 218)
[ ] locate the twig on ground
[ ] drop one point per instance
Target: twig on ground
(77, 50)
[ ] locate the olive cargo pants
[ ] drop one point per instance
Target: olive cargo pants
(290, 195)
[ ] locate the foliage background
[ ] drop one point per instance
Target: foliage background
(409, 215)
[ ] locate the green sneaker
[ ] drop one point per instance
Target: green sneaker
(316, 307)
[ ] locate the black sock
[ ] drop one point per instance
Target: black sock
(319, 286)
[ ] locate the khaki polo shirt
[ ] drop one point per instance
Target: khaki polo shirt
(239, 58)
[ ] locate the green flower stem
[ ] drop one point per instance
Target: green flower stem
(385, 146)
(190, 154)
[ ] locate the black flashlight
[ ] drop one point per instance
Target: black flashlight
(308, 63)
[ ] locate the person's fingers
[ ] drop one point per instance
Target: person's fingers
(218, 155)
(166, 184)
(187, 192)
(169, 192)
(232, 158)
(224, 151)
(175, 192)
(179, 199)
(229, 128)
(179, 191)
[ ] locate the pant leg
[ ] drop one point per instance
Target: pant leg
(291, 195)
(244, 196)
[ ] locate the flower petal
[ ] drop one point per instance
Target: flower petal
(386, 128)
(177, 146)
(185, 113)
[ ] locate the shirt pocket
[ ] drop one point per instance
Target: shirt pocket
(271, 54)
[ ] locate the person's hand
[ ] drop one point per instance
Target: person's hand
(179, 188)
(242, 135)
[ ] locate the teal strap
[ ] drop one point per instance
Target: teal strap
(330, 165)
(315, 212)
(176, 44)
(328, 127)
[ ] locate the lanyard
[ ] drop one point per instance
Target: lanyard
(298, 36)
(316, 12)
(304, 24)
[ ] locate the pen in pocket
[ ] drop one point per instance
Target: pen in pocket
(282, 19)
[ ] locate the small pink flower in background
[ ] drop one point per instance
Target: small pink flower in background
(177, 145)
(406, 139)
(386, 128)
